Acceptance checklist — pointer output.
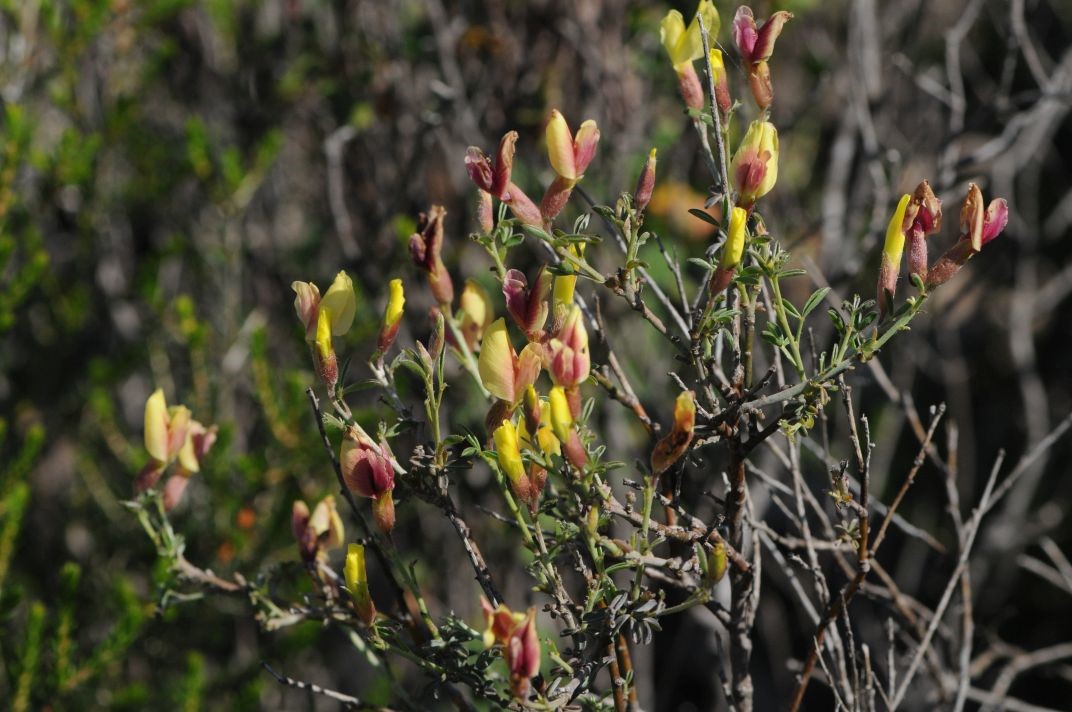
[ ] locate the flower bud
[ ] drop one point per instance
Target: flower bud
(523, 655)
(562, 426)
(560, 147)
(584, 146)
(755, 164)
(392, 316)
(504, 163)
(721, 81)
(717, 563)
(479, 168)
(555, 198)
(528, 307)
(645, 184)
(357, 583)
(671, 447)
(570, 361)
(732, 251)
(533, 409)
(923, 217)
(425, 249)
(508, 453)
(756, 47)
(307, 305)
(892, 250)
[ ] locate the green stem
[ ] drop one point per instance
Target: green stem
(783, 321)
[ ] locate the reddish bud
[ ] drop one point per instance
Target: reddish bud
(479, 168)
(528, 307)
(645, 183)
(688, 84)
(485, 211)
(522, 206)
(504, 163)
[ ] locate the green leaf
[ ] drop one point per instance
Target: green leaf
(786, 274)
(814, 300)
(700, 262)
(705, 216)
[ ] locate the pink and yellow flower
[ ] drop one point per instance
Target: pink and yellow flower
(505, 374)
(755, 164)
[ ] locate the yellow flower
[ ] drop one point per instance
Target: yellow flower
(686, 44)
(570, 154)
(733, 250)
(508, 452)
(323, 333)
(561, 419)
(357, 582)
(395, 303)
(895, 238)
(755, 164)
(502, 371)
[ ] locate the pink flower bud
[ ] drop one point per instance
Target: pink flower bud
(556, 197)
(504, 163)
(425, 248)
(523, 655)
(485, 211)
(645, 183)
(479, 168)
(923, 217)
(688, 84)
(528, 307)
(174, 489)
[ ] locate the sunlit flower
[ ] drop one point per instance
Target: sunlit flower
(892, 250)
(570, 155)
(684, 45)
(755, 164)
(476, 312)
(505, 374)
(732, 251)
(392, 316)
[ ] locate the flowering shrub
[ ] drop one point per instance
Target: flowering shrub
(612, 548)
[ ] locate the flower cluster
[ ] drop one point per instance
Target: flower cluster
(172, 436)
(515, 634)
(919, 215)
(323, 318)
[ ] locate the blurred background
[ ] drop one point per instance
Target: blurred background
(169, 167)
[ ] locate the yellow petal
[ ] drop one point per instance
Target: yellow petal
(560, 146)
(395, 303)
(354, 569)
(718, 66)
(769, 143)
(508, 452)
(895, 239)
(671, 31)
(341, 301)
(187, 456)
(549, 444)
(475, 304)
(496, 362)
(156, 426)
(692, 43)
(323, 332)
(561, 419)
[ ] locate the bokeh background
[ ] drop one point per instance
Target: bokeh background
(169, 167)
